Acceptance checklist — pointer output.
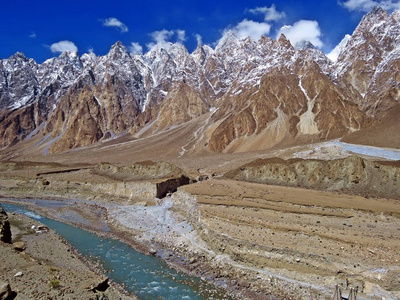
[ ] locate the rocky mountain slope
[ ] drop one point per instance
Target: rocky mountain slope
(251, 94)
(369, 63)
(384, 131)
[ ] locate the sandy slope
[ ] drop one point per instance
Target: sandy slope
(384, 132)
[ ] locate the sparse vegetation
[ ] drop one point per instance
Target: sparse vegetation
(54, 284)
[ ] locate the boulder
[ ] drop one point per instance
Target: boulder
(192, 260)
(5, 229)
(19, 246)
(203, 177)
(102, 286)
(5, 291)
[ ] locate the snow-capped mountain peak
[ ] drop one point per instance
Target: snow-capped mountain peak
(264, 91)
(334, 54)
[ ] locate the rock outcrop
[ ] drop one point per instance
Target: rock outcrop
(145, 170)
(164, 178)
(170, 186)
(5, 291)
(102, 286)
(19, 246)
(5, 229)
(352, 174)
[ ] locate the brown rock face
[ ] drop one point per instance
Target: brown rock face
(5, 291)
(75, 122)
(352, 174)
(285, 107)
(16, 125)
(369, 65)
(384, 132)
(19, 246)
(5, 229)
(182, 104)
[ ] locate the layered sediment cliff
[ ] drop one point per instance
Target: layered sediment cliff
(352, 175)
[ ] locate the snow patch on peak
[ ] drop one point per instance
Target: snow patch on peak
(228, 39)
(396, 15)
(117, 51)
(304, 45)
(377, 11)
(334, 54)
(88, 59)
(69, 55)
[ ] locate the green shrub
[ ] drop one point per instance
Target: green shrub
(54, 284)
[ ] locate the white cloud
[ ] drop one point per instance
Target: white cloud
(63, 46)
(270, 13)
(162, 38)
(33, 35)
(181, 35)
(135, 48)
(367, 5)
(114, 22)
(252, 29)
(334, 54)
(303, 30)
(199, 39)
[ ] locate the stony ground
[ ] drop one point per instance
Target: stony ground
(48, 268)
(316, 238)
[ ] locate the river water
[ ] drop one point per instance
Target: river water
(148, 277)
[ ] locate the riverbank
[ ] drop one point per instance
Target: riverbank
(45, 266)
(86, 216)
(255, 240)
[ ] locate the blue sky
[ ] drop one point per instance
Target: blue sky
(36, 28)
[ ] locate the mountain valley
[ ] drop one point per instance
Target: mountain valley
(263, 167)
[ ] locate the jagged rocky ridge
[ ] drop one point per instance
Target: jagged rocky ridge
(257, 94)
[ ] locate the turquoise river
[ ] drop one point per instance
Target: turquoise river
(147, 277)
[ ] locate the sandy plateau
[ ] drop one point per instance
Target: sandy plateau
(259, 241)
